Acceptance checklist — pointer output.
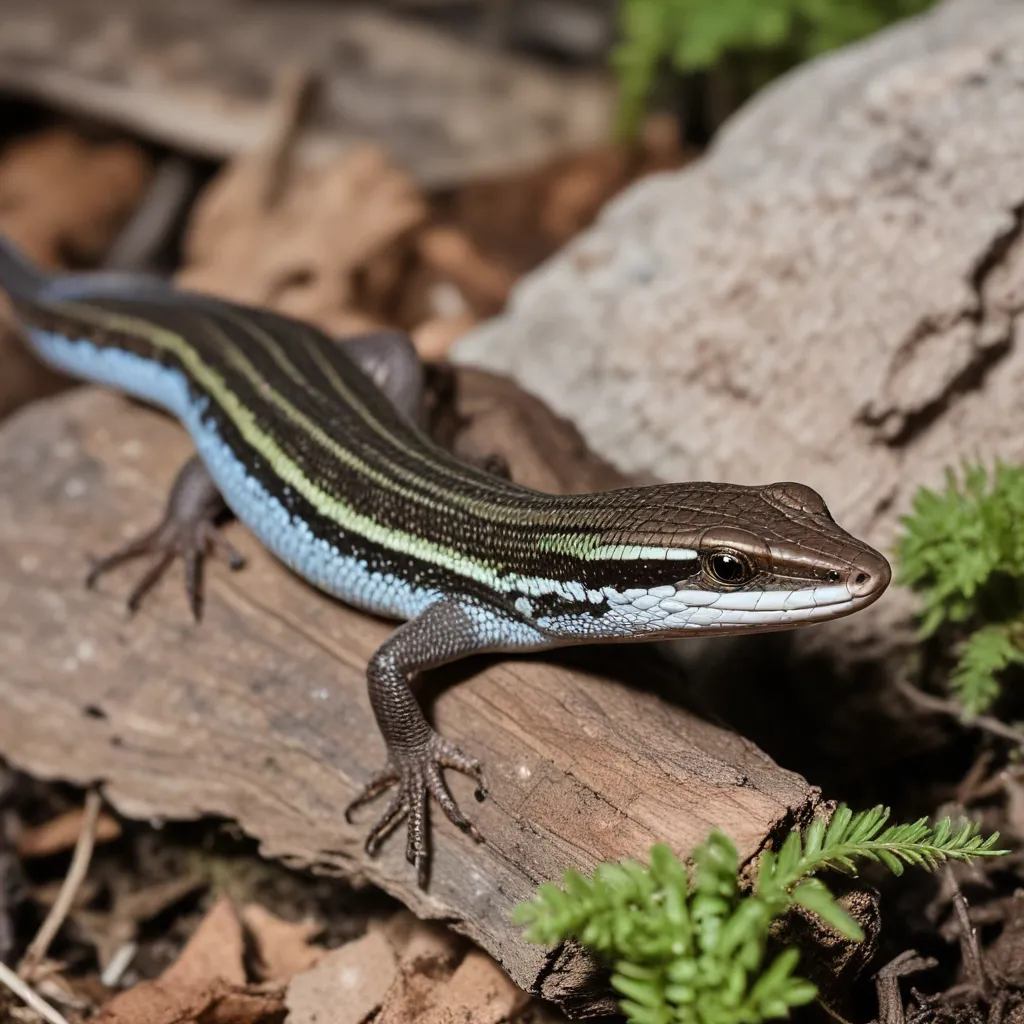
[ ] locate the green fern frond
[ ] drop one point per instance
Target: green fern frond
(987, 652)
(848, 837)
(962, 549)
(955, 541)
(691, 948)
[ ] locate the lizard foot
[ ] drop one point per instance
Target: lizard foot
(417, 775)
(187, 531)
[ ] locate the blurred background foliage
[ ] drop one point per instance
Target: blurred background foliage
(727, 49)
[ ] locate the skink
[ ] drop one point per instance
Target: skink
(314, 446)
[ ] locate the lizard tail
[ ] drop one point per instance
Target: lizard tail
(19, 277)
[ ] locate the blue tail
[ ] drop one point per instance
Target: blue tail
(19, 277)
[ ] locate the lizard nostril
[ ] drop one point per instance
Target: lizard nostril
(861, 578)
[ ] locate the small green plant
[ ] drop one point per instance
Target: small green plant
(963, 549)
(691, 948)
(697, 34)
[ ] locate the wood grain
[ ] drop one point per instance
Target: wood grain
(260, 713)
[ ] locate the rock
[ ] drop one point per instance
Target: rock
(832, 295)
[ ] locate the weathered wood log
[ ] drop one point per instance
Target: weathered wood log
(260, 713)
(200, 76)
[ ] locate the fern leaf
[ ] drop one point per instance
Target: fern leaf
(857, 836)
(986, 652)
(692, 950)
(812, 895)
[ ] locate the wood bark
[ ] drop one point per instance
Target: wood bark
(200, 77)
(259, 714)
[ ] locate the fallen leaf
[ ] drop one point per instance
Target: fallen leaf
(295, 240)
(156, 1002)
(346, 986)
(61, 833)
(479, 992)
(430, 947)
(109, 930)
(214, 953)
(429, 955)
(206, 984)
(63, 194)
(60, 195)
(284, 947)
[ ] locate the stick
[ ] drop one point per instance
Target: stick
(80, 859)
(28, 997)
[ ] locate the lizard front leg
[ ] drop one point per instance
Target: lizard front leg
(190, 530)
(417, 754)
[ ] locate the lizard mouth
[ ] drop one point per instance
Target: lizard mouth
(738, 610)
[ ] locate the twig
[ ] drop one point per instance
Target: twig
(80, 859)
(28, 997)
(119, 963)
(986, 723)
(975, 778)
(293, 95)
(146, 233)
(974, 965)
(887, 985)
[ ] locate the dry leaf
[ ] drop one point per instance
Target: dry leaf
(109, 930)
(451, 253)
(431, 947)
(429, 955)
(284, 947)
(214, 953)
(301, 252)
(63, 194)
(60, 195)
(479, 992)
(346, 986)
(155, 1002)
(61, 833)
(205, 984)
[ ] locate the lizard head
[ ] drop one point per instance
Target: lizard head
(691, 559)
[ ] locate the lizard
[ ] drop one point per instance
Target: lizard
(317, 447)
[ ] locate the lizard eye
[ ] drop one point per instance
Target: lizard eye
(727, 568)
(832, 576)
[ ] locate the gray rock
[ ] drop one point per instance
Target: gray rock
(833, 294)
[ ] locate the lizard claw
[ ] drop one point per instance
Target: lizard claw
(187, 531)
(419, 775)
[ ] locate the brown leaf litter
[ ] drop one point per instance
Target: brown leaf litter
(302, 241)
(207, 983)
(63, 198)
(61, 833)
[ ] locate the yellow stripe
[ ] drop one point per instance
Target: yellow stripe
(346, 457)
(583, 546)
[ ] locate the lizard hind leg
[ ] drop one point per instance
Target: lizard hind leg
(390, 360)
(188, 531)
